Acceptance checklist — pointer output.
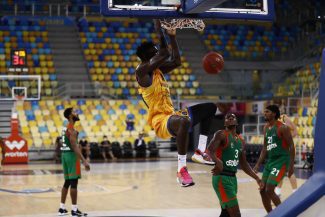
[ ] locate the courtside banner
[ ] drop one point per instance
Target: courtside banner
(16, 147)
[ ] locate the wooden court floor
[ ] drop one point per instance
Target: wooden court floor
(123, 189)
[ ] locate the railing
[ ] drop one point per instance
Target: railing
(293, 104)
(310, 91)
(255, 128)
(97, 90)
(79, 89)
(238, 89)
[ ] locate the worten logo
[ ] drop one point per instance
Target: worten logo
(15, 144)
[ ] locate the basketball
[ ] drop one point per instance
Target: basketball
(213, 62)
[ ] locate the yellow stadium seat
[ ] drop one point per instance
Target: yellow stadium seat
(38, 142)
(25, 130)
(47, 142)
(310, 143)
(30, 142)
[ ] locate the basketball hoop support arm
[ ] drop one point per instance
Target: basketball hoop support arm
(200, 6)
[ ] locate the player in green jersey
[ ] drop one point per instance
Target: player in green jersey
(227, 150)
(280, 151)
(71, 156)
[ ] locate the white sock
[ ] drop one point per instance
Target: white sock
(277, 190)
(62, 206)
(181, 161)
(74, 207)
(294, 190)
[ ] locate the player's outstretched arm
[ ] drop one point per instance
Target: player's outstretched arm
(286, 135)
(175, 60)
(162, 39)
(74, 145)
(217, 140)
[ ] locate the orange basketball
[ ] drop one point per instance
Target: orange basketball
(213, 62)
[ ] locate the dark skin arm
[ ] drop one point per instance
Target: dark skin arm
(74, 145)
(218, 140)
(175, 60)
(144, 70)
(2, 145)
(286, 135)
(247, 168)
(262, 155)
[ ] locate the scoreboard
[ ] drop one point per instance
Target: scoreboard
(18, 61)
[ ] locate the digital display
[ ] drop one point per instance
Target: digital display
(18, 58)
(254, 4)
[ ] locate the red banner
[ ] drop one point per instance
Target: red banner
(16, 148)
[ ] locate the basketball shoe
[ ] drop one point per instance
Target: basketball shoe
(184, 178)
(63, 212)
(202, 158)
(78, 213)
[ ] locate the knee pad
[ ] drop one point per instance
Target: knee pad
(66, 184)
(74, 183)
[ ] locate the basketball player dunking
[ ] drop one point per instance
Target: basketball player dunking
(154, 89)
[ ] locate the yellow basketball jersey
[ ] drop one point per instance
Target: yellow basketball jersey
(157, 96)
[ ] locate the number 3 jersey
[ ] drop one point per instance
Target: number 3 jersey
(275, 145)
(229, 153)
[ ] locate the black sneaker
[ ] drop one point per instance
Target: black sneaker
(63, 212)
(78, 213)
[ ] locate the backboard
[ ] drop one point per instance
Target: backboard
(27, 87)
(221, 9)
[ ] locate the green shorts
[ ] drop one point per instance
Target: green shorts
(275, 170)
(71, 165)
(226, 189)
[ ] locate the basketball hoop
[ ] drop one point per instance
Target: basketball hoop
(19, 98)
(184, 23)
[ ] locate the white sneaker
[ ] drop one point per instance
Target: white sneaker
(202, 158)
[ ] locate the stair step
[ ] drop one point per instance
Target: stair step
(63, 52)
(60, 28)
(4, 135)
(5, 124)
(74, 76)
(64, 40)
(68, 56)
(76, 58)
(69, 64)
(5, 114)
(64, 43)
(5, 130)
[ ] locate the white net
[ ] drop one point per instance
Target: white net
(184, 23)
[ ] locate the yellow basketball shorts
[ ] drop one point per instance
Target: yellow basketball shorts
(160, 123)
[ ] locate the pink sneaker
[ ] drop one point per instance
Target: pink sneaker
(184, 178)
(202, 158)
